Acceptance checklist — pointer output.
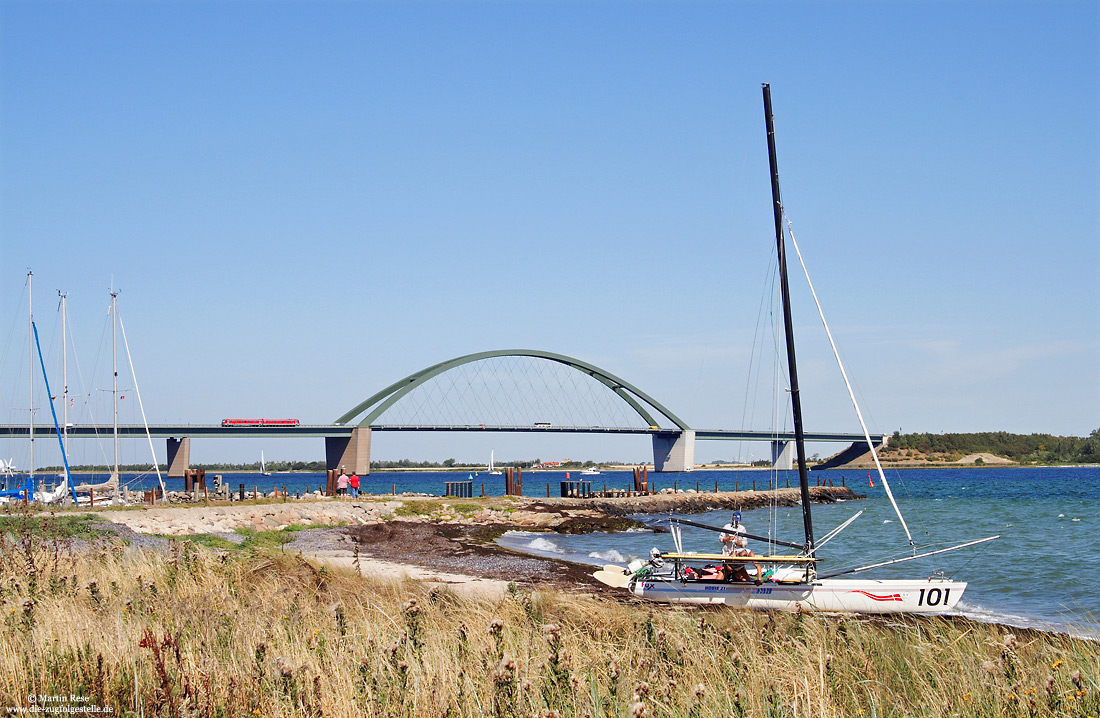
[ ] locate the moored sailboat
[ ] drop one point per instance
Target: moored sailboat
(786, 582)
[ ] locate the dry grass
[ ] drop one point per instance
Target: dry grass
(206, 633)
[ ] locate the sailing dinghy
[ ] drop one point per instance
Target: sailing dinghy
(786, 582)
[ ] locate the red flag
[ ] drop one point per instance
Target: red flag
(872, 483)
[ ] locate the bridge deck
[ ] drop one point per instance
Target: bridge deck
(344, 430)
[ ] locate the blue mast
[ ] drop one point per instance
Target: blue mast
(53, 411)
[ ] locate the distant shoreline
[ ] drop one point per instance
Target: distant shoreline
(617, 467)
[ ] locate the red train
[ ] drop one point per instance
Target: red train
(260, 422)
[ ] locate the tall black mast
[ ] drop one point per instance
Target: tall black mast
(788, 324)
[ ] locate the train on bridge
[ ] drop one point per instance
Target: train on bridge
(260, 422)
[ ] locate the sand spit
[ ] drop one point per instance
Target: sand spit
(441, 540)
(183, 520)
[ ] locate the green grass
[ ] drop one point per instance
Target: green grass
(207, 540)
(267, 539)
(252, 539)
(415, 508)
(49, 527)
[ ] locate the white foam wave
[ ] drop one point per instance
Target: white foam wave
(544, 545)
(610, 555)
(985, 615)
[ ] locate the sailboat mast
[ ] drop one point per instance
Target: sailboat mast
(30, 357)
(64, 375)
(788, 324)
(114, 380)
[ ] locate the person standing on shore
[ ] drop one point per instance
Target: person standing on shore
(353, 484)
(342, 483)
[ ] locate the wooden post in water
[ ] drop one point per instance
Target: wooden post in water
(483, 491)
(547, 489)
(91, 497)
(255, 492)
(754, 484)
(716, 486)
(240, 489)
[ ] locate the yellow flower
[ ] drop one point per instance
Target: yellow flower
(1011, 696)
(1056, 664)
(967, 696)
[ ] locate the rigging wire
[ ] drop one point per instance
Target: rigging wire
(137, 392)
(844, 374)
(767, 292)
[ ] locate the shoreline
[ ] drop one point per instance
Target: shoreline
(438, 540)
(886, 465)
(441, 542)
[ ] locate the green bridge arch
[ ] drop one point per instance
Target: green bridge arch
(643, 404)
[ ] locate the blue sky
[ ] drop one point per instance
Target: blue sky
(303, 202)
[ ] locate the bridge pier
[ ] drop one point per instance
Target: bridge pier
(350, 452)
(179, 457)
(674, 451)
(783, 455)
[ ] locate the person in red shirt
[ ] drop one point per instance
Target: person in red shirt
(353, 484)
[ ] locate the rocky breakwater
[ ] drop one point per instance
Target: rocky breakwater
(691, 502)
(260, 517)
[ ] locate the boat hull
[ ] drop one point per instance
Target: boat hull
(835, 595)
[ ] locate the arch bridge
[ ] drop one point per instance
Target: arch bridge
(508, 390)
(673, 440)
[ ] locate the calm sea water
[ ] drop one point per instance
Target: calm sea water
(1042, 572)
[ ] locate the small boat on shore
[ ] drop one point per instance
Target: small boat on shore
(785, 582)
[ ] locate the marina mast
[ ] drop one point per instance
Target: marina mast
(788, 325)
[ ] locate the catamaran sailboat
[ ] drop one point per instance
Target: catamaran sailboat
(786, 582)
(493, 471)
(263, 468)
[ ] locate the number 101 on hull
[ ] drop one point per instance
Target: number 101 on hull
(925, 596)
